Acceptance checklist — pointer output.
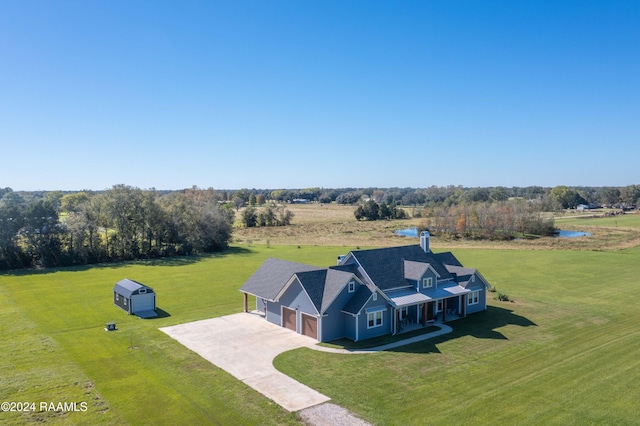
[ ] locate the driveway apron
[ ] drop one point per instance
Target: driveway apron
(245, 345)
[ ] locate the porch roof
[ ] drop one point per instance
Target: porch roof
(410, 297)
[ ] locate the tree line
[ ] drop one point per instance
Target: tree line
(550, 199)
(121, 223)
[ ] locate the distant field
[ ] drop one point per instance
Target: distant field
(332, 224)
(565, 352)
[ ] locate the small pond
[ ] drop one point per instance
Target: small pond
(408, 232)
(572, 234)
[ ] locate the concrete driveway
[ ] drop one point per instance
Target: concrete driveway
(245, 345)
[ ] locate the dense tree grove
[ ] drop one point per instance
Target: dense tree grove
(488, 220)
(267, 216)
(118, 224)
(374, 211)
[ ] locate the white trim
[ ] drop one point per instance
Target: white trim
(377, 315)
(427, 282)
(473, 298)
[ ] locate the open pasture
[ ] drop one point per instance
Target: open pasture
(564, 352)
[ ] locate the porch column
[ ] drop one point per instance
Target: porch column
(444, 310)
(246, 302)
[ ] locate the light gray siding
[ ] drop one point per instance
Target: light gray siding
(294, 298)
(335, 323)
(366, 332)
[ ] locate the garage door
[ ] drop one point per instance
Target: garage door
(289, 318)
(142, 302)
(310, 326)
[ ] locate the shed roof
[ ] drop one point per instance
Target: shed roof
(127, 287)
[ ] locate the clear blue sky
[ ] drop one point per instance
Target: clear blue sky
(295, 94)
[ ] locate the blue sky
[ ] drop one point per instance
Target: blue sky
(295, 94)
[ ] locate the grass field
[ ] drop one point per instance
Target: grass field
(565, 352)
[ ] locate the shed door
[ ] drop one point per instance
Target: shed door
(142, 302)
(309, 326)
(289, 318)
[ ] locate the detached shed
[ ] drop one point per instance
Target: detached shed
(135, 298)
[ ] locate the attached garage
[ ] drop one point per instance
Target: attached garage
(309, 326)
(289, 319)
(135, 298)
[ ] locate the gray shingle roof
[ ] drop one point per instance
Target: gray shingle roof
(385, 266)
(414, 270)
(323, 286)
(272, 276)
(358, 300)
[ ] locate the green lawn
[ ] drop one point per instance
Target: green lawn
(54, 348)
(631, 220)
(566, 351)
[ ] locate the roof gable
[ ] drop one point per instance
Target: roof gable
(323, 286)
(416, 270)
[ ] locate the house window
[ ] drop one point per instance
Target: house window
(473, 278)
(474, 298)
(374, 297)
(439, 306)
(427, 282)
(374, 319)
(142, 290)
(117, 297)
(124, 299)
(352, 286)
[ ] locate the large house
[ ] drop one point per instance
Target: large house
(369, 293)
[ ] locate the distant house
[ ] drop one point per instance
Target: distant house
(369, 293)
(135, 298)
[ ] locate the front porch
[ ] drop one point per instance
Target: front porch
(413, 317)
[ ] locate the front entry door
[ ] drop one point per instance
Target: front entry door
(430, 311)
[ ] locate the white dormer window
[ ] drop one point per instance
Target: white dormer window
(374, 297)
(427, 282)
(352, 286)
(473, 278)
